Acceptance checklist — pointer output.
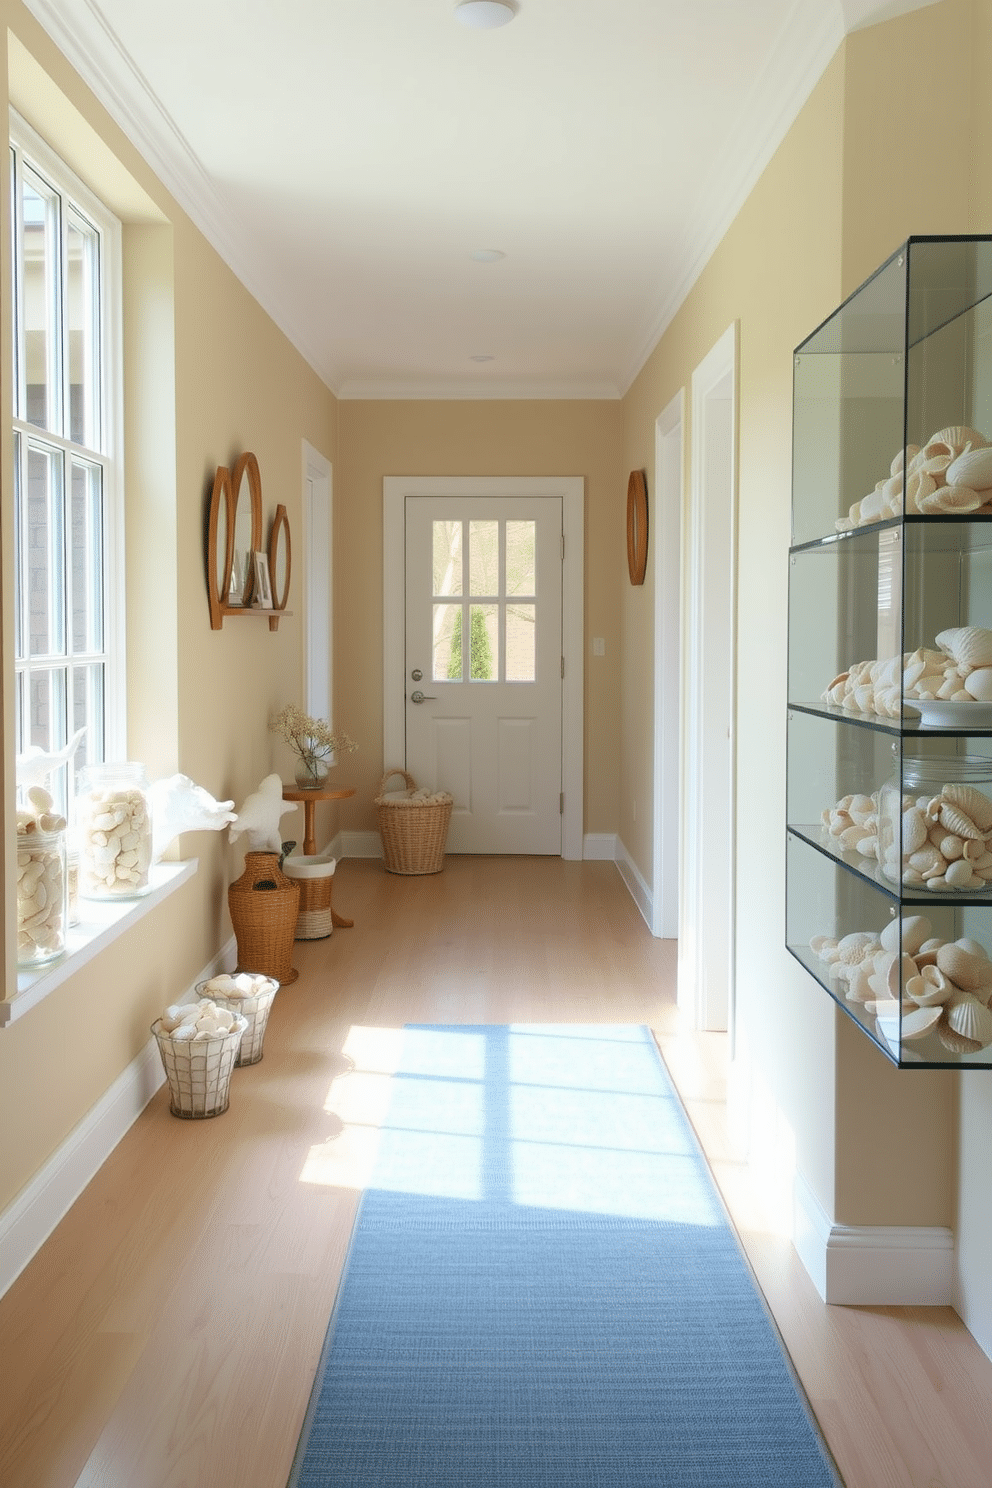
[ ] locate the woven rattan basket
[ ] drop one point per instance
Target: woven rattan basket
(414, 833)
(264, 904)
(315, 876)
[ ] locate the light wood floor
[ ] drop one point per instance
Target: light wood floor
(167, 1334)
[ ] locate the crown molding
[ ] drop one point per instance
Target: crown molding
(804, 47)
(88, 43)
(427, 391)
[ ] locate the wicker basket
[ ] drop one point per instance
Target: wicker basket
(413, 833)
(264, 904)
(315, 876)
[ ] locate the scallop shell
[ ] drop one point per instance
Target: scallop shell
(954, 1043)
(971, 1019)
(949, 499)
(972, 802)
(972, 468)
(956, 436)
(966, 970)
(969, 645)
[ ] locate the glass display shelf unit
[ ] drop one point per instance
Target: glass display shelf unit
(889, 782)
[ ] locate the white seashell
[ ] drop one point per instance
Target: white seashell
(956, 436)
(972, 468)
(915, 831)
(949, 846)
(908, 934)
(927, 861)
(978, 684)
(871, 507)
(919, 488)
(919, 1023)
(930, 988)
(971, 1019)
(949, 499)
(960, 876)
(902, 457)
(968, 645)
(859, 987)
(935, 446)
(937, 467)
(858, 946)
(975, 947)
(964, 968)
(975, 805)
(955, 820)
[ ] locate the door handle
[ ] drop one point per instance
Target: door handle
(421, 697)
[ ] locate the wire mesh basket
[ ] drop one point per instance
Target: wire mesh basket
(199, 1070)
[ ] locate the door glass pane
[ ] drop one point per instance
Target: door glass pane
(521, 547)
(483, 558)
(484, 622)
(40, 211)
(86, 537)
(46, 552)
(83, 317)
(521, 642)
(447, 664)
(447, 558)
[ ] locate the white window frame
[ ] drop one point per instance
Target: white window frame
(30, 147)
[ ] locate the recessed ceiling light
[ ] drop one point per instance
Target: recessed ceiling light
(487, 255)
(482, 357)
(484, 15)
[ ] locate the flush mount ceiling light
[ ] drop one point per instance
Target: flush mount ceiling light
(487, 255)
(484, 15)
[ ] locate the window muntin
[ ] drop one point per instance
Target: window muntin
(67, 521)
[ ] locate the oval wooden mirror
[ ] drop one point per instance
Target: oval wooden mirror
(637, 526)
(220, 544)
(246, 526)
(280, 558)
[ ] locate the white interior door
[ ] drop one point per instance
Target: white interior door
(483, 666)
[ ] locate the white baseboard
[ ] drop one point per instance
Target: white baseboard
(600, 847)
(634, 879)
(356, 845)
(873, 1266)
(27, 1223)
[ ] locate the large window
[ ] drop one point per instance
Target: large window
(67, 488)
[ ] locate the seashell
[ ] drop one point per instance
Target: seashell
(861, 807)
(971, 1019)
(937, 467)
(956, 436)
(903, 457)
(972, 468)
(948, 499)
(919, 488)
(934, 447)
(919, 1023)
(965, 969)
(949, 845)
(954, 1043)
(824, 946)
(859, 987)
(883, 1007)
(960, 876)
(973, 802)
(930, 988)
(974, 946)
(871, 507)
(955, 820)
(915, 831)
(968, 645)
(856, 947)
(978, 684)
(902, 969)
(908, 934)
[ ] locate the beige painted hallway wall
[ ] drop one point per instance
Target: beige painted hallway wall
(474, 438)
(852, 179)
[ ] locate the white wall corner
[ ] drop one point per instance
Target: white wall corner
(26, 1224)
(873, 1265)
(635, 881)
(600, 847)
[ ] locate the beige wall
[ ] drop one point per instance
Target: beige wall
(208, 375)
(473, 438)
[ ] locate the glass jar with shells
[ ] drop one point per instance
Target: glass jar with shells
(889, 792)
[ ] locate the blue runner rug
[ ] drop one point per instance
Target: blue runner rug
(543, 1290)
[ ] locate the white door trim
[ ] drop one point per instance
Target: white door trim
(708, 873)
(571, 490)
(317, 576)
(668, 683)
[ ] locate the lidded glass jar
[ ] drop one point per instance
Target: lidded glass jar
(935, 824)
(41, 896)
(113, 831)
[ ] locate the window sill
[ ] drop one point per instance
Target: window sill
(103, 923)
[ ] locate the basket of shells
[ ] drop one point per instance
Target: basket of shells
(199, 1044)
(250, 995)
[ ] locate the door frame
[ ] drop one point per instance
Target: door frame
(571, 490)
(669, 479)
(318, 568)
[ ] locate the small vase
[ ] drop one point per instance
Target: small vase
(311, 771)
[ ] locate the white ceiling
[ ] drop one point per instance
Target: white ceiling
(347, 157)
